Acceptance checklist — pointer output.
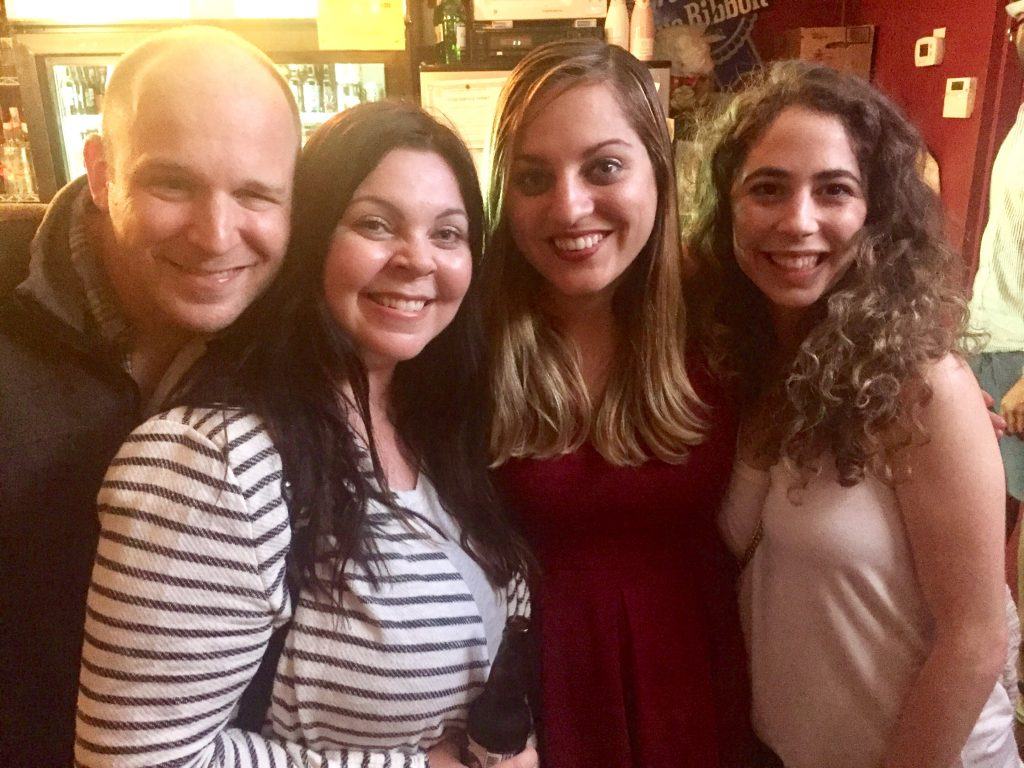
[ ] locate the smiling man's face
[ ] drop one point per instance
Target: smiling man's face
(197, 184)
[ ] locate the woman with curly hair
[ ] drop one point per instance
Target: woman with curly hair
(613, 447)
(867, 491)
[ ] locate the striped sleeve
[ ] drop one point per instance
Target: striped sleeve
(187, 586)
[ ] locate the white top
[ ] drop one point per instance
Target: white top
(836, 623)
(423, 499)
(189, 584)
(997, 306)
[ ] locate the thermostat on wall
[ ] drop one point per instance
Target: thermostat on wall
(928, 51)
(960, 92)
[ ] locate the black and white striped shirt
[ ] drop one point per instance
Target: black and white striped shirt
(189, 584)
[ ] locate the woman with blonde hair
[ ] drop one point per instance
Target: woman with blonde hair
(612, 444)
(867, 494)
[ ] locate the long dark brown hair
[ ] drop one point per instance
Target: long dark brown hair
(857, 378)
(286, 360)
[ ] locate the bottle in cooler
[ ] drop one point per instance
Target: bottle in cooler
(99, 82)
(68, 93)
(329, 89)
(295, 84)
(88, 91)
(310, 91)
(14, 163)
(28, 177)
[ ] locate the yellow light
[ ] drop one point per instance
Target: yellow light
(95, 11)
(114, 11)
(361, 25)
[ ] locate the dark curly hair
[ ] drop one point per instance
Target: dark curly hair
(855, 386)
(286, 360)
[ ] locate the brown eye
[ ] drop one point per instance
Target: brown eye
(373, 226)
(531, 182)
(604, 171)
(449, 236)
(765, 189)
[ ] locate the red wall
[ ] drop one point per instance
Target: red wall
(972, 29)
(789, 14)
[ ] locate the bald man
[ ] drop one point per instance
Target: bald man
(181, 221)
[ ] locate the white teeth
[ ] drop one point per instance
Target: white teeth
(402, 305)
(218, 275)
(577, 243)
(794, 261)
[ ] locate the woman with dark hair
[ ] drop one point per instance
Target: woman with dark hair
(330, 448)
(867, 492)
(612, 446)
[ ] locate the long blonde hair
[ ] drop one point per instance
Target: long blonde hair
(541, 407)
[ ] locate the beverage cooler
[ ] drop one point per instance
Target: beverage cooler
(64, 72)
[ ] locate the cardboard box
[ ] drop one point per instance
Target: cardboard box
(848, 49)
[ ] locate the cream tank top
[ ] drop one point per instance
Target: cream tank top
(835, 622)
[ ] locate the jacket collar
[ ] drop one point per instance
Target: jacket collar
(52, 281)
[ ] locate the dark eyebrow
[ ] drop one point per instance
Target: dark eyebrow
(771, 172)
(393, 209)
(838, 173)
(590, 151)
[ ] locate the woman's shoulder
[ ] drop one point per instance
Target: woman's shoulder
(230, 437)
(951, 418)
(951, 385)
(221, 426)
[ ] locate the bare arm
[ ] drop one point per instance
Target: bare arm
(952, 508)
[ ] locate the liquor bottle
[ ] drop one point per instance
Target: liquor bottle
(6, 182)
(328, 89)
(99, 84)
(438, 33)
(641, 30)
(310, 91)
(373, 91)
(452, 48)
(295, 83)
(69, 93)
(28, 176)
(14, 162)
(616, 24)
(499, 723)
(88, 91)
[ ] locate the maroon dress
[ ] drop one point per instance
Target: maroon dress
(642, 660)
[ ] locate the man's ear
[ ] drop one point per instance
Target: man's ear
(97, 169)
